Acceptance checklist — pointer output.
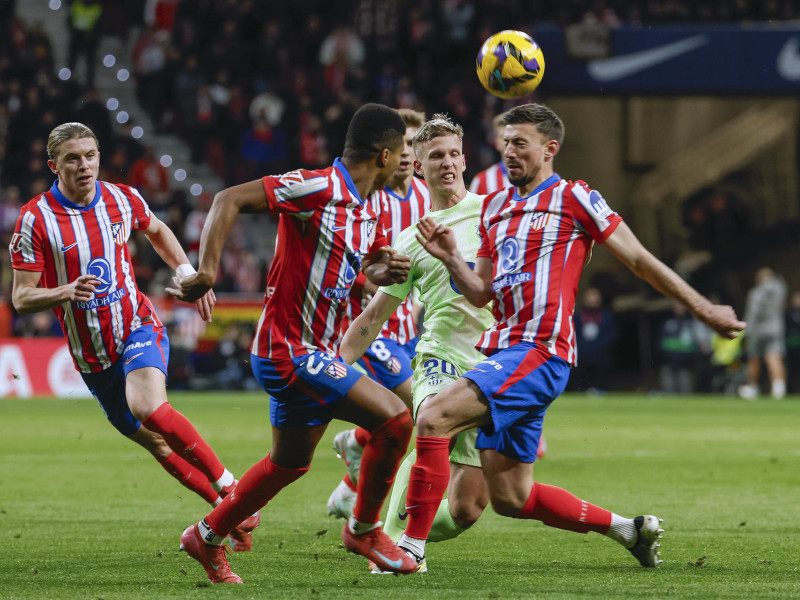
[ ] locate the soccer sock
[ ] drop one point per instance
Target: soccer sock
(382, 456)
(256, 487)
(361, 436)
(557, 507)
(427, 484)
(189, 477)
(444, 527)
(184, 439)
(622, 530)
(224, 481)
(395, 523)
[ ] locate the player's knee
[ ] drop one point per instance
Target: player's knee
(394, 432)
(505, 506)
(466, 516)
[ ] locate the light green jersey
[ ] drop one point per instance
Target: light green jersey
(452, 326)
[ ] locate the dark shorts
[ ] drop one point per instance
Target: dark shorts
(519, 383)
(147, 346)
(388, 362)
(305, 390)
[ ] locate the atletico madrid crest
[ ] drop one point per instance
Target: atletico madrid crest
(118, 232)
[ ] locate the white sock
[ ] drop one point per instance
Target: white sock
(225, 479)
(622, 530)
(778, 389)
(216, 502)
(208, 535)
(361, 528)
(416, 546)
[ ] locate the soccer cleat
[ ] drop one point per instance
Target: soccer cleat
(380, 549)
(422, 565)
(342, 501)
(648, 532)
(349, 451)
(212, 558)
(748, 391)
(241, 536)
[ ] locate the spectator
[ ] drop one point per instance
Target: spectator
(683, 341)
(596, 330)
(793, 342)
(84, 35)
(765, 338)
(150, 177)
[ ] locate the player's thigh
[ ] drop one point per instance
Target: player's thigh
(146, 390)
(460, 406)
(368, 405)
(467, 493)
(508, 481)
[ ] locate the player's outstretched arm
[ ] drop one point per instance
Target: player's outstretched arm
(440, 242)
(386, 266)
(245, 198)
(28, 298)
(628, 249)
(363, 331)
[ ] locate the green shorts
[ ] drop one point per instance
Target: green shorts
(431, 376)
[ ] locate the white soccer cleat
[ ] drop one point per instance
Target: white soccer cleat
(349, 451)
(748, 391)
(648, 532)
(342, 501)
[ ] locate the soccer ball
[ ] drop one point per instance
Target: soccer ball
(510, 64)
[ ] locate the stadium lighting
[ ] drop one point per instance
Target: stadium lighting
(180, 174)
(54, 4)
(196, 189)
(166, 161)
(137, 132)
(123, 74)
(109, 60)
(64, 74)
(122, 117)
(112, 104)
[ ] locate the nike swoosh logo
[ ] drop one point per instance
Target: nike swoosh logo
(619, 67)
(403, 516)
(334, 228)
(415, 506)
(396, 564)
(130, 358)
(213, 566)
(65, 248)
(788, 64)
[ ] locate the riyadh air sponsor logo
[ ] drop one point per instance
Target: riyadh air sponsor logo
(109, 298)
(511, 279)
(101, 269)
(619, 67)
(788, 64)
(339, 293)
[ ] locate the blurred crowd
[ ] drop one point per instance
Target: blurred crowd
(256, 88)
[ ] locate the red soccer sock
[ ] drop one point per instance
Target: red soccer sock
(362, 436)
(349, 482)
(189, 477)
(557, 507)
(427, 484)
(184, 439)
(382, 455)
(257, 486)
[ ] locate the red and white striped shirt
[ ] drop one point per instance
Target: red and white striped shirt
(63, 241)
(538, 246)
(324, 229)
(397, 214)
(490, 180)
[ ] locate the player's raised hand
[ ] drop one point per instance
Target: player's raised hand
(438, 240)
(193, 288)
(82, 289)
(722, 319)
(398, 265)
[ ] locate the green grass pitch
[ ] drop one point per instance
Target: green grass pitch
(87, 514)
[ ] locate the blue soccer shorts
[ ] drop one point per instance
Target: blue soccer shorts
(305, 390)
(147, 346)
(388, 362)
(519, 383)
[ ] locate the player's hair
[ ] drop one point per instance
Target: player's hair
(67, 131)
(439, 125)
(548, 123)
(373, 128)
(412, 118)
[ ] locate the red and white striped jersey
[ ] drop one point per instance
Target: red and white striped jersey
(490, 180)
(324, 229)
(538, 246)
(397, 214)
(63, 241)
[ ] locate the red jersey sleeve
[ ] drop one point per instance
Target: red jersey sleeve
(27, 242)
(592, 211)
(141, 211)
(297, 193)
(485, 250)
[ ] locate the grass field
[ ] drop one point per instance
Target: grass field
(86, 514)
